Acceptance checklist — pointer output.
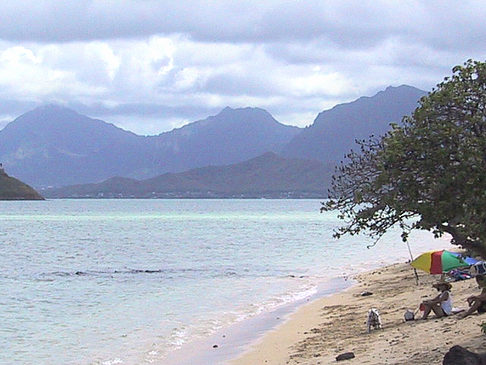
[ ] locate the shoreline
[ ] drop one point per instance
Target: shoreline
(320, 330)
(237, 338)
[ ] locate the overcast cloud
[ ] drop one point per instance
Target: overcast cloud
(150, 66)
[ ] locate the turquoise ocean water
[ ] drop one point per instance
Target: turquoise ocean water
(129, 281)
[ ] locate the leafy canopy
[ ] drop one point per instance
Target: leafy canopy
(429, 173)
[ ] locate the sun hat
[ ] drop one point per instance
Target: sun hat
(442, 283)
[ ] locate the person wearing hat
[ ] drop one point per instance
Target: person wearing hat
(441, 305)
(477, 302)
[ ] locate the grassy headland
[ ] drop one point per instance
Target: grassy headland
(13, 189)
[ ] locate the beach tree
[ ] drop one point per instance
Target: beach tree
(427, 173)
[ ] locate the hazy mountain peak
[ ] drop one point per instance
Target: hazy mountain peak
(226, 109)
(53, 145)
(401, 87)
(46, 118)
(232, 135)
(334, 131)
(48, 114)
(37, 117)
(245, 112)
(52, 110)
(401, 90)
(53, 107)
(386, 102)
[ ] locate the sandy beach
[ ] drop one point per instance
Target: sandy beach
(319, 331)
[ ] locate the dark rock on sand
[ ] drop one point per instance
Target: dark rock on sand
(366, 293)
(458, 355)
(345, 356)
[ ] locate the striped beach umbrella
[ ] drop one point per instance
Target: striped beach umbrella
(469, 260)
(438, 262)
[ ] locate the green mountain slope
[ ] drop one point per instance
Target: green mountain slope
(13, 189)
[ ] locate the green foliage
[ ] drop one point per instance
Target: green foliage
(13, 189)
(428, 173)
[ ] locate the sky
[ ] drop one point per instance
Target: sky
(151, 66)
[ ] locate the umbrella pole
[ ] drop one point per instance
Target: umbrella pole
(411, 259)
(416, 276)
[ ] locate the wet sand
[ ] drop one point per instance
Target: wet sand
(319, 331)
(230, 342)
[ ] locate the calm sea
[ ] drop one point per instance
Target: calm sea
(129, 281)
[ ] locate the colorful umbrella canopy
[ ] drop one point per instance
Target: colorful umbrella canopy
(469, 260)
(438, 262)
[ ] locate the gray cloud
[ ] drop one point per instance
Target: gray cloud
(15, 107)
(151, 65)
(146, 119)
(350, 24)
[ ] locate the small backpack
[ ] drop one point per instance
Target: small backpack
(409, 315)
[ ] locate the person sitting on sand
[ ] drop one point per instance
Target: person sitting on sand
(441, 305)
(477, 302)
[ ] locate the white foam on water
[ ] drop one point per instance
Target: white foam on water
(310, 285)
(112, 362)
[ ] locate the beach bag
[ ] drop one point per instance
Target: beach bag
(409, 315)
(478, 268)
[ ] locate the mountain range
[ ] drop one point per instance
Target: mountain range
(267, 176)
(55, 146)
